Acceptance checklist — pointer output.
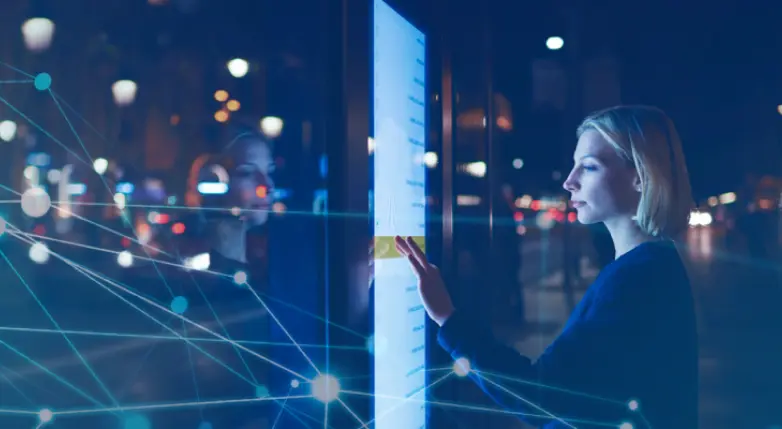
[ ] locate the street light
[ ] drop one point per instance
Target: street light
(271, 126)
(38, 34)
(555, 43)
(238, 67)
(100, 165)
(7, 130)
(124, 92)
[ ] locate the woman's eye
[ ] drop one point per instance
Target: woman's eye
(243, 172)
(589, 167)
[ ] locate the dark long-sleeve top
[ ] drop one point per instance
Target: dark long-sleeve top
(627, 354)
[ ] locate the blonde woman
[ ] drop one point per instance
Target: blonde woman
(628, 355)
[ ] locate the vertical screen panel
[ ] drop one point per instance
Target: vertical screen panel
(399, 208)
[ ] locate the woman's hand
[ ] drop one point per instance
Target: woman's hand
(431, 287)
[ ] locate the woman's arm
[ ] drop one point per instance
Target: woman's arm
(589, 360)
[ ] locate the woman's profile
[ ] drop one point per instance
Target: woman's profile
(628, 355)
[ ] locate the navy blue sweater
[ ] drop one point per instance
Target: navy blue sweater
(632, 337)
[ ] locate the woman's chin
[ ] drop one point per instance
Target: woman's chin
(584, 218)
(257, 219)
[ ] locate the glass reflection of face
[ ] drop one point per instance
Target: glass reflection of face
(251, 184)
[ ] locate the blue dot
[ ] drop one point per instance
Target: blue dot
(205, 425)
(43, 81)
(371, 344)
(136, 421)
(179, 305)
(262, 392)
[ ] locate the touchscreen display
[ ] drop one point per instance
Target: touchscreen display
(399, 208)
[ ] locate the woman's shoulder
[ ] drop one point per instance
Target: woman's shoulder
(648, 259)
(650, 268)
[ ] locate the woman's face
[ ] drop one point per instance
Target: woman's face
(602, 185)
(251, 184)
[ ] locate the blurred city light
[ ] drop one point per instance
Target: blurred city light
(271, 126)
(222, 116)
(524, 201)
(125, 187)
(518, 163)
(233, 105)
(198, 262)
(124, 92)
(53, 176)
(238, 67)
(212, 188)
(698, 218)
(371, 145)
(221, 95)
(100, 165)
(31, 174)
(555, 43)
(779, 109)
(38, 34)
(728, 198)
(120, 200)
(468, 200)
(7, 130)
(476, 169)
(178, 228)
(430, 159)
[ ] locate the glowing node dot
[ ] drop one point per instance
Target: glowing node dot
(626, 425)
(2, 226)
(205, 425)
(632, 405)
(325, 388)
(179, 304)
(45, 415)
(39, 253)
(36, 202)
(240, 277)
(262, 391)
(125, 259)
(42, 81)
(461, 367)
(295, 384)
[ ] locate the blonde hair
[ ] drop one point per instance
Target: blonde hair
(646, 138)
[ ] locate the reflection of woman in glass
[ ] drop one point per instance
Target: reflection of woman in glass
(227, 306)
(628, 355)
(248, 161)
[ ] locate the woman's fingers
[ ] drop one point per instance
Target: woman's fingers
(417, 252)
(405, 251)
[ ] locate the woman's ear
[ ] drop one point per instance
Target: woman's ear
(637, 183)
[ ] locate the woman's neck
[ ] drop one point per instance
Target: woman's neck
(229, 239)
(626, 235)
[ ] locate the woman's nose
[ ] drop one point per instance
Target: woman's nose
(570, 184)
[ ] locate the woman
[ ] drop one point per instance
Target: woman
(628, 355)
(248, 160)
